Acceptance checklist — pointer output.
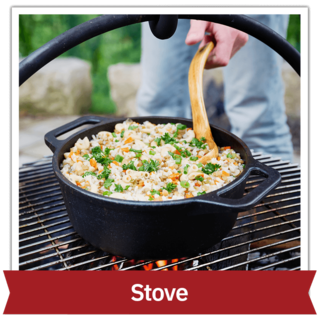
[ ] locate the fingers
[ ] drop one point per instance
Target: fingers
(196, 32)
(228, 42)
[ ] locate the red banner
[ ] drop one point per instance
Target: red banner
(139, 292)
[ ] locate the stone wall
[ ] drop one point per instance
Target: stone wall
(62, 87)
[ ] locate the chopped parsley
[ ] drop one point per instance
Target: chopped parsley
(198, 143)
(119, 158)
(108, 183)
(138, 155)
(201, 193)
(210, 168)
(170, 187)
(168, 139)
(122, 133)
(177, 158)
(185, 184)
(199, 178)
(116, 140)
(118, 188)
(158, 141)
(107, 151)
(244, 165)
(96, 150)
(186, 168)
(99, 156)
(88, 173)
(199, 165)
(153, 146)
(150, 197)
(127, 187)
(114, 135)
(151, 166)
(132, 127)
(184, 152)
(86, 156)
(193, 158)
(152, 152)
(153, 192)
(178, 128)
(108, 193)
(129, 166)
(105, 174)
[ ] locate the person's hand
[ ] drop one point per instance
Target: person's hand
(227, 41)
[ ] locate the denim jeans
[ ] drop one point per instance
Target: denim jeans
(253, 86)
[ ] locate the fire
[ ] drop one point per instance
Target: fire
(149, 266)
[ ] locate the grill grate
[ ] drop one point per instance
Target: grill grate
(264, 238)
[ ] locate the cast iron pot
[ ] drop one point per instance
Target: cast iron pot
(156, 230)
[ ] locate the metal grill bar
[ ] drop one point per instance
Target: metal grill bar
(267, 237)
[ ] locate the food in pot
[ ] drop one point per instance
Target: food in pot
(148, 162)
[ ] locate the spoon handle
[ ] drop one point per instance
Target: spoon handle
(195, 82)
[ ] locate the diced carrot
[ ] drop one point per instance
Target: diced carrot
(177, 152)
(189, 195)
(141, 184)
(77, 152)
(199, 156)
(227, 147)
(93, 162)
(218, 158)
(112, 158)
(197, 184)
(78, 183)
(116, 163)
(225, 173)
(125, 149)
(189, 129)
(174, 176)
(71, 153)
(129, 140)
(124, 171)
(235, 164)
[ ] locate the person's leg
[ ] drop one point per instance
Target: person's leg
(254, 94)
(165, 64)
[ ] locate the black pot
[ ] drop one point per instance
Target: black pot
(157, 230)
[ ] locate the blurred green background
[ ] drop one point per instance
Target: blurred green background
(120, 45)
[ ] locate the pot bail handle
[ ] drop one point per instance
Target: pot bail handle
(51, 137)
(164, 27)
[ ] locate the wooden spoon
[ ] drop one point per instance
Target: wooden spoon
(195, 83)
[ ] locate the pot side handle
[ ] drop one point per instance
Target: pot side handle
(51, 137)
(248, 201)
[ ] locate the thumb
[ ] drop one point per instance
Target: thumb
(196, 32)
